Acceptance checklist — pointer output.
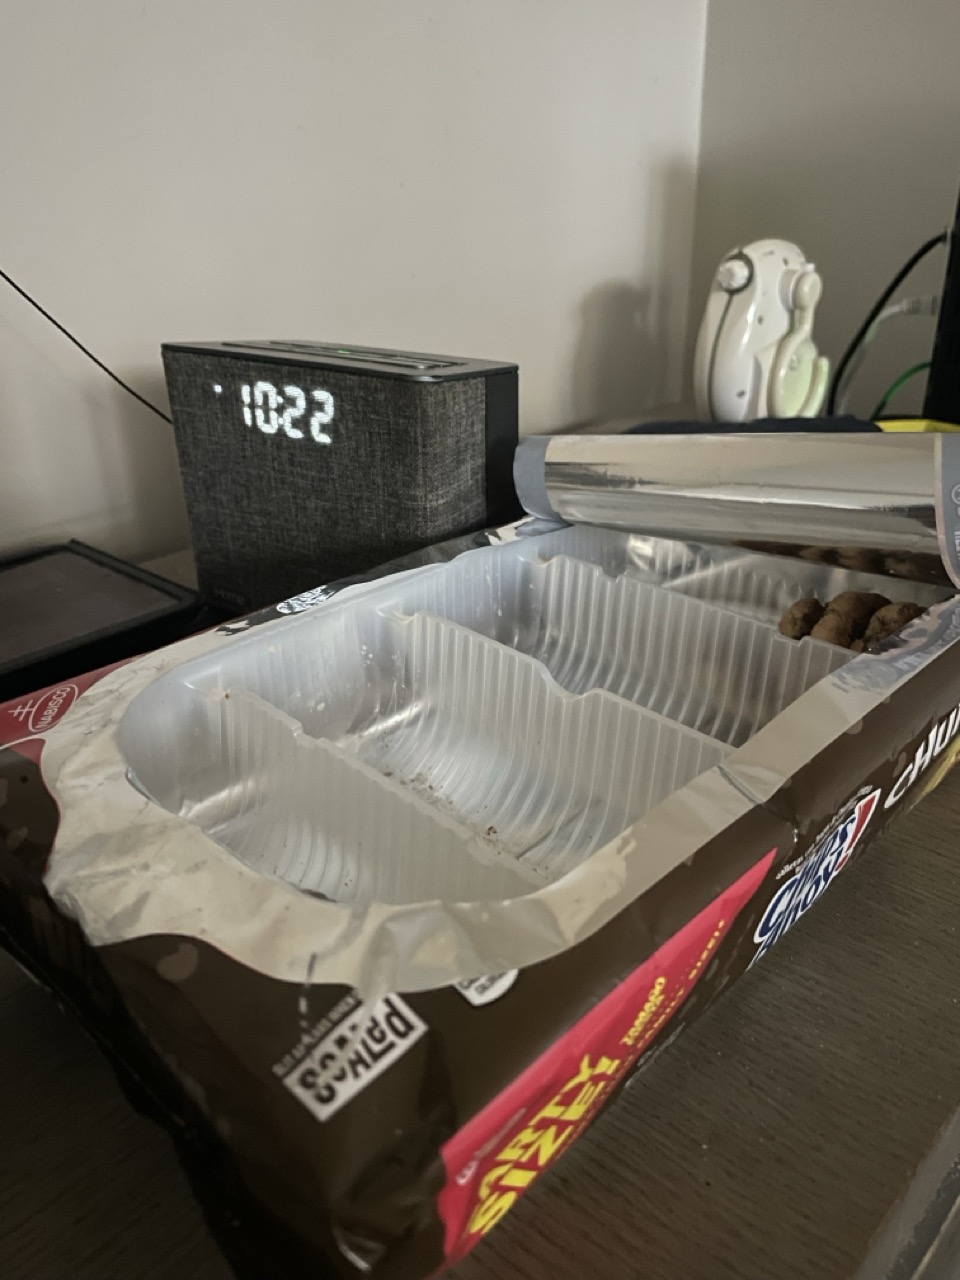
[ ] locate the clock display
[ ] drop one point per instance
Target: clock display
(285, 409)
(423, 449)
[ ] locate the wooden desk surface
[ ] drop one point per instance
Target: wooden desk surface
(773, 1141)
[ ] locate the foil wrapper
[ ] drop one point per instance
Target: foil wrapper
(874, 503)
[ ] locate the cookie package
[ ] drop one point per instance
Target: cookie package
(375, 898)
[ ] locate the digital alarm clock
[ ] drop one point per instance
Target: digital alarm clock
(305, 462)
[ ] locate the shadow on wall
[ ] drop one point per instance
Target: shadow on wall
(151, 464)
(615, 352)
(631, 346)
(82, 459)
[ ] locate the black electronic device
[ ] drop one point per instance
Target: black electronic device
(70, 608)
(304, 462)
(941, 402)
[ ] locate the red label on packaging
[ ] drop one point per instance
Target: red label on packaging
(25, 720)
(504, 1148)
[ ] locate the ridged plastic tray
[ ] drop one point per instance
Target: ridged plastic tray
(475, 729)
(761, 586)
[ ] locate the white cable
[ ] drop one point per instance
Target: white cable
(927, 305)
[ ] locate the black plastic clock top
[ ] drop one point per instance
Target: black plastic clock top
(415, 366)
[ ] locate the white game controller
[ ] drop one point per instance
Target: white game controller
(755, 356)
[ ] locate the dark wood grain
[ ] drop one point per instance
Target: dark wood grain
(773, 1141)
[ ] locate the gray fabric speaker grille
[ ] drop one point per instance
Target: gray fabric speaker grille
(271, 516)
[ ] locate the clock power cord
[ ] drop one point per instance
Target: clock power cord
(77, 343)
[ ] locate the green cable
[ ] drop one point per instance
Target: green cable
(897, 386)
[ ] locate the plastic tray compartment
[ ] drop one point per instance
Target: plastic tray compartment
(366, 756)
(467, 732)
(757, 585)
(711, 669)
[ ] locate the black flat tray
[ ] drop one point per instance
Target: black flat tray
(70, 608)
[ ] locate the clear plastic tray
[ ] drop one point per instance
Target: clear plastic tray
(476, 729)
(761, 586)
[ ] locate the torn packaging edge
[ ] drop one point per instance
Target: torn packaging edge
(948, 502)
(117, 894)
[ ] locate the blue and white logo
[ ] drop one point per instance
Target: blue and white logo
(798, 894)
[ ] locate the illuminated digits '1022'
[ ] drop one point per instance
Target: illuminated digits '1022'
(265, 407)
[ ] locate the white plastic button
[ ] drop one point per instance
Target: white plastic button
(733, 275)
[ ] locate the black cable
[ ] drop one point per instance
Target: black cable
(77, 343)
(875, 310)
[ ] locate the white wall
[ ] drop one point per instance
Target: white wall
(511, 178)
(835, 123)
